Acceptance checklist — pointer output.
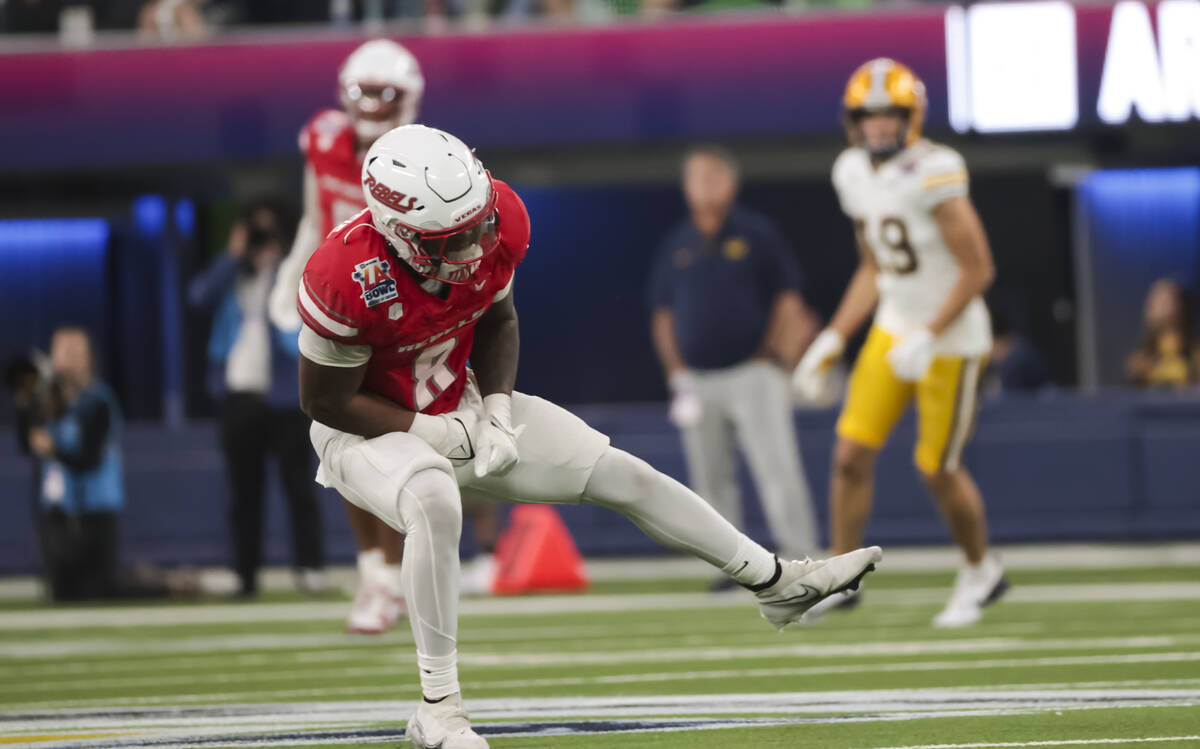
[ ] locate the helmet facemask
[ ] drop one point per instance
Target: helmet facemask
(453, 256)
(375, 108)
(879, 152)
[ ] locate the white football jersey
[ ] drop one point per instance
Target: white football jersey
(892, 210)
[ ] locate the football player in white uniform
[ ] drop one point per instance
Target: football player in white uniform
(924, 264)
(394, 304)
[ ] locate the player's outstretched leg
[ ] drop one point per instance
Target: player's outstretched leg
(673, 515)
(981, 579)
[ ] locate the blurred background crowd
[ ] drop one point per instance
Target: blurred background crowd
(196, 19)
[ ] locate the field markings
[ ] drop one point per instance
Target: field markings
(1085, 660)
(397, 659)
(479, 657)
(1060, 742)
(92, 618)
(350, 722)
(476, 685)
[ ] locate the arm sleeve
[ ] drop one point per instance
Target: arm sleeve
(282, 307)
(943, 176)
(206, 289)
(327, 353)
(79, 437)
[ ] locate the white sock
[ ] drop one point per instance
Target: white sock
(388, 578)
(675, 516)
(439, 675)
(752, 564)
(370, 562)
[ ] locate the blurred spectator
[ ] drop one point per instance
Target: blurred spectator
(27, 379)
(1014, 364)
(253, 372)
(1168, 354)
(172, 20)
(728, 324)
(69, 420)
(30, 16)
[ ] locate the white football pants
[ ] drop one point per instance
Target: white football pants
(400, 479)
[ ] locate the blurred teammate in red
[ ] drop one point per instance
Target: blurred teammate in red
(380, 87)
(394, 303)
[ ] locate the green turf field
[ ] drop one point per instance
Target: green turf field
(1078, 657)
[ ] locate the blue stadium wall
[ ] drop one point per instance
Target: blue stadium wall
(1056, 467)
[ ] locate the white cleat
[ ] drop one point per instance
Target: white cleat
(974, 588)
(478, 576)
(374, 611)
(443, 725)
(843, 602)
(804, 583)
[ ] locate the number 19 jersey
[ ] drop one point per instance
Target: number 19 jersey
(892, 210)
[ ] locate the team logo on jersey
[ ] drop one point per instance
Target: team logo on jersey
(377, 286)
(396, 311)
(735, 248)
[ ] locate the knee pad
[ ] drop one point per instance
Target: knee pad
(430, 503)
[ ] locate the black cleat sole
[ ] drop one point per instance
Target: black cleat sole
(853, 584)
(999, 590)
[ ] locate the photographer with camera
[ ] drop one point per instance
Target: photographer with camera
(69, 420)
(253, 373)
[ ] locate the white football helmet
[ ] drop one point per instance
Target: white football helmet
(431, 198)
(380, 86)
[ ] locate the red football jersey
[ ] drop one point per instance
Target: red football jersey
(329, 144)
(356, 290)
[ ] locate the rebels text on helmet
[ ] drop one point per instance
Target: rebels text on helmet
(393, 199)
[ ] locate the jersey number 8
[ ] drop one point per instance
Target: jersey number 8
(431, 376)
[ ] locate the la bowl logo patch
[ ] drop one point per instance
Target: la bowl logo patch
(377, 286)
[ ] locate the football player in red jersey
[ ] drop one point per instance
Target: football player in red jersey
(380, 86)
(394, 303)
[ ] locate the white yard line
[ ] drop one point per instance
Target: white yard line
(477, 685)
(939, 558)
(1061, 742)
(560, 708)
(653, 652)
(350, 722)
(901, 558)
(92, 618)
(1022, 663)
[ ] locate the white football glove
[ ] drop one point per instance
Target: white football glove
(808, 381)
(686, 406)
(448, 434)
(911, 356)
(495, 437)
